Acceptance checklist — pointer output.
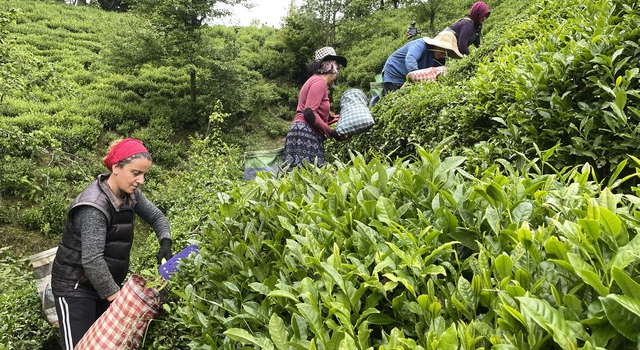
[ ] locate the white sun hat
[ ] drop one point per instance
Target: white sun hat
(446, 40)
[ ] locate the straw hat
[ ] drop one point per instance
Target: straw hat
(446, 39)
(329, 53)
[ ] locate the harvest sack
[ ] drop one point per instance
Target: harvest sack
(42, 263)
(427, 74)
(265, 160)
(376, 88)
(355, 116)
(123, 325)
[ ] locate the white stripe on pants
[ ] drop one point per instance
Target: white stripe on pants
(65, 325)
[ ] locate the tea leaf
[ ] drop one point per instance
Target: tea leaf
(278, 332)
(245, 337)
(624, 314)
(628, 286)
(587, 273)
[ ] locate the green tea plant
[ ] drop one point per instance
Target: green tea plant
(22, 324)
(413, 253)
(562, 76)
(574, 87)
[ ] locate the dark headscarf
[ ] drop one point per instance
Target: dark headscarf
(478, 11)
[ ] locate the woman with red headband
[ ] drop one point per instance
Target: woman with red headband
(92, 259)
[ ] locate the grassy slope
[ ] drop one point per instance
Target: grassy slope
(44, 36)
(66, 75)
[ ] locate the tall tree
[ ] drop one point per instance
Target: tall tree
(327, 12)
(180, 22)
(362, 8)
(432, 8)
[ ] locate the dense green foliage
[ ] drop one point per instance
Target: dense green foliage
(560, 74)
(73, 79)
(509, 220)
(22, 326)
(411, 254)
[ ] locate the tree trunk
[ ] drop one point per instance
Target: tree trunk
(432, 20)
(193, 85)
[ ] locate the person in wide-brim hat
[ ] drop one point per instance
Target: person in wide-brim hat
(447, 41)
(415, 55)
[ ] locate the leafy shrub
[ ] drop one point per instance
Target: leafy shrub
(22, 324)
(100, 107)
(568, 89)
(47, 216)
(416, 251)
(16, 179)
(158, 139)
(37, 169)
(545, 81)
(72, 132)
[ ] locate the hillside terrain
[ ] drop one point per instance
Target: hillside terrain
(494, 209)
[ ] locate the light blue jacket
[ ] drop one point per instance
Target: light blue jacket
(412, 56)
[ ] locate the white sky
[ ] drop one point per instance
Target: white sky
(268, 12)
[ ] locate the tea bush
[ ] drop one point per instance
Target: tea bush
(494, 240)
(71, 132)
(573, 86)
(562, 75)
(22, 323)
(414, 251)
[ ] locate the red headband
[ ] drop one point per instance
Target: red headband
(124, 149)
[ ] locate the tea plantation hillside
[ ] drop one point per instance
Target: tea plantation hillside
(560, 75)
(429, 251)
(497, 208)
(75, 78)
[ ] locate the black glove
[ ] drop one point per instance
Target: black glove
(309, 117)
(337, 136)
(165, 250)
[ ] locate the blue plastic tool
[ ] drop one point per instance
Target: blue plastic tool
(171, 266)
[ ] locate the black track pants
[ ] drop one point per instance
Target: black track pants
(75, 316)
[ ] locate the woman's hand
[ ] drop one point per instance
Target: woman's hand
(164, 253)
(309, 116)
(334, 134)
(113, 296)
(333, 118)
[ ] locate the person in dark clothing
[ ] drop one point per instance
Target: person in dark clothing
(469, 29)
(418, 54)
(92, 259)
(412, 31)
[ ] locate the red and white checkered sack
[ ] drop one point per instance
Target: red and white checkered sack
(123, 325)
(427, 74)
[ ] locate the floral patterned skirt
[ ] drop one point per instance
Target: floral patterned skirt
(302, 146)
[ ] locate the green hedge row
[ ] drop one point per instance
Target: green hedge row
(559, 74)
(415, 253)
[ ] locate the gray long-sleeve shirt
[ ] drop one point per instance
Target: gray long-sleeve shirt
(92, 224)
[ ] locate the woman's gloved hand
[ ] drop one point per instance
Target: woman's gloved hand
(339, 137)
(165, 250)
(309, 117)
